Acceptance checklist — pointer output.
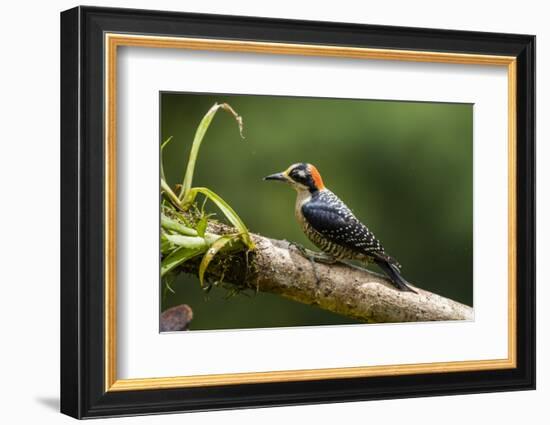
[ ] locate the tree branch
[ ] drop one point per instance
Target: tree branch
(278, 268)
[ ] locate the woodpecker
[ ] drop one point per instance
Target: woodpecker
(331, 225)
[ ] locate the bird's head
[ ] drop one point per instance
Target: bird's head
(301, 177)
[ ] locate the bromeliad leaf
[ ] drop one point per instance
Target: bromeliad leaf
(165, 245)
(201, 225)
(162, 176)
(168, 280)
(163, 145)
(229, 212)
(179, 256)
(191, 242)
(175, 226)
(165, 188)
(216, 247)
(197, 141)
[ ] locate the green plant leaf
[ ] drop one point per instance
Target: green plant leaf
(216, 247)
(173, 225)
(229, 212)
(171, 195)
(190, 242)
(197, 141)
(168, 280)
(163, 144)
(201, 225)
(165, 245)
(179, 256)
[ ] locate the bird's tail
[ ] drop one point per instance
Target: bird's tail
(395, 276)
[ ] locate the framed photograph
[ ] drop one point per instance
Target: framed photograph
(261, 212)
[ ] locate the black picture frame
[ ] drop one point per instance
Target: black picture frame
(83, 392)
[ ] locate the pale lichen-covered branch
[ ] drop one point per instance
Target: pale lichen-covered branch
(279, 268)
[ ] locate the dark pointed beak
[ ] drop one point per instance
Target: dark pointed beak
(276, 176)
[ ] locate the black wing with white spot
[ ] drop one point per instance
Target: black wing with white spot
(329, 216)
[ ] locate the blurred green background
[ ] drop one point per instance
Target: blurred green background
(404, 168)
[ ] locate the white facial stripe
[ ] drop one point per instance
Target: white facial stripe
(289, 169)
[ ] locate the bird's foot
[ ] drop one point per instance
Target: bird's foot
(300, 248)
(313, 257)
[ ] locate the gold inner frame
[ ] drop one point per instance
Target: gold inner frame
(113, 41)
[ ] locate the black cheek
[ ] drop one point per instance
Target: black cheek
(298, 179)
